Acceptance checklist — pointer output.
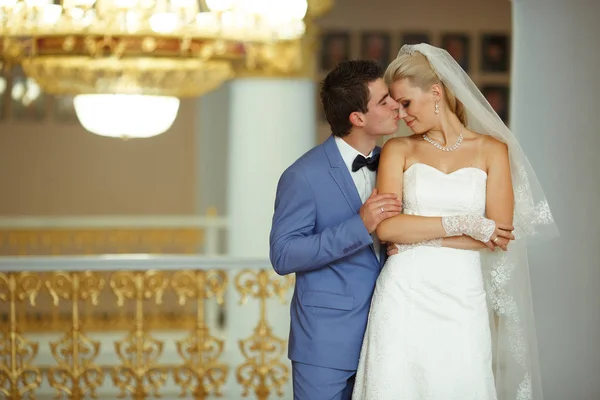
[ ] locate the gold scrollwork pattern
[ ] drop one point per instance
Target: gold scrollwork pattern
(202, 372)
(182, 351)
(263, 372)
(76, 376)
(140, 372)
(18, 374)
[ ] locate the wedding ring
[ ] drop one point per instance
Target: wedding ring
(382, 209)
(495, 240)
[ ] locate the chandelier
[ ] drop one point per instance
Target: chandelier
(128, 62)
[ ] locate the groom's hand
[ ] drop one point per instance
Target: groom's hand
(379, 207)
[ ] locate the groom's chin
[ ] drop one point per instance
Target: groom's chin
(392, 131)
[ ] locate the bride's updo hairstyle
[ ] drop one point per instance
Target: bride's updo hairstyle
(418, 71)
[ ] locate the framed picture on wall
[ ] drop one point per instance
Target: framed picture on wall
(458, 45)
(414, 38)
(495, 53)
(376, 46)
(498, 97)
(335, 48)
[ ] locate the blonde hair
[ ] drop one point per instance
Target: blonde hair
(418, 71)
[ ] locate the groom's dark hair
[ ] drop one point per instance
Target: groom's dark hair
(345, 90)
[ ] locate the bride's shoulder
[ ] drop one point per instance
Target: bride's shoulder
(401, 143)
(495, 144)
(490, 143)
(492, 147)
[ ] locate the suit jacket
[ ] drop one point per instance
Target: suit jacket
(318, 234)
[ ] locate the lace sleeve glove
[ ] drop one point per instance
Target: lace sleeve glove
(475, 226)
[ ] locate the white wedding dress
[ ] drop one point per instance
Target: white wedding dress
(428, 335)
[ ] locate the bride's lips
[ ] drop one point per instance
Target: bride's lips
(410, 123)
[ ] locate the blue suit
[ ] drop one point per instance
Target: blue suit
(317, 233)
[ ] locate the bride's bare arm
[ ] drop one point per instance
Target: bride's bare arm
(500, 197)
(411, 229)
(390, 179)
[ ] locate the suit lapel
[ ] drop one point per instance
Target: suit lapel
(341, 175)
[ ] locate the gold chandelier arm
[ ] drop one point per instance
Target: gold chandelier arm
(289, 59)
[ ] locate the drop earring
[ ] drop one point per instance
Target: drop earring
(437, 108)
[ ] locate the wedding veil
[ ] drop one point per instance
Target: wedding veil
(506, 274)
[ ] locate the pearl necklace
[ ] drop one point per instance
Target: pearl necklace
(439, 146)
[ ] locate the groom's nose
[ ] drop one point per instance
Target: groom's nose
(394, 104)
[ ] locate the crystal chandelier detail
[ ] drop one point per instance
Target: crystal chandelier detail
(128, 62)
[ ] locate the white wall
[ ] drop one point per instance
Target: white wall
(555, 84)
(54, 168)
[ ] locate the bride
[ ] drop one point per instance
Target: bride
(449, 318)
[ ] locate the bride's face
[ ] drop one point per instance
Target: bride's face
(417, 107)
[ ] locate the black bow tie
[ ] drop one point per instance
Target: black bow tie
(360, 161)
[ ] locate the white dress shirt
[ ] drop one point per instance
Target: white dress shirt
(364, 179)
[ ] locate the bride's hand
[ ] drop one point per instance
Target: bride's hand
(503, 231)
(501, 237)
(500, 242)
(392, 249)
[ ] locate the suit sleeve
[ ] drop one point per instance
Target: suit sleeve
(294, 246)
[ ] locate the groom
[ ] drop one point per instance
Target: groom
(326, 213)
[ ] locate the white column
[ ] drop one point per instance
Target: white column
(272, 123)
(212, 126)
(554, 108)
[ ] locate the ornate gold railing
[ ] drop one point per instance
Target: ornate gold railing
(87, 235)
(141, 327)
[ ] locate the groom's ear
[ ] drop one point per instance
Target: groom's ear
(357, 119)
